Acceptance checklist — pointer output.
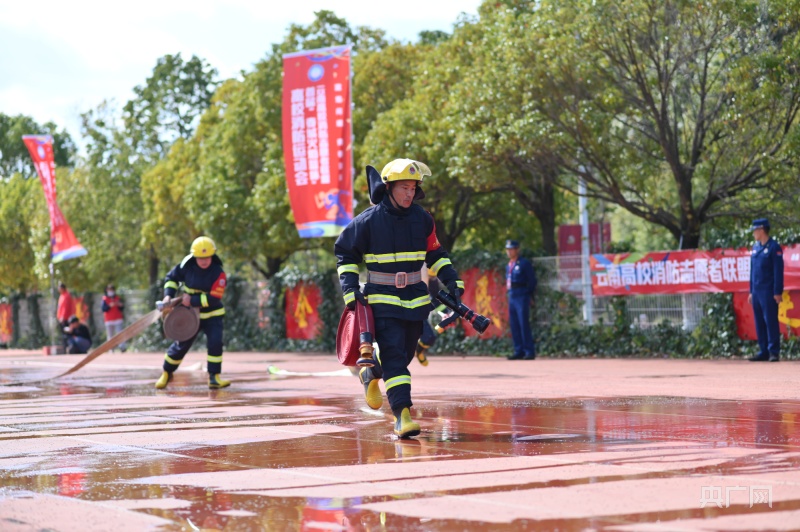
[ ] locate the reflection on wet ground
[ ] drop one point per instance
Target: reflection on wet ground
(268, 455)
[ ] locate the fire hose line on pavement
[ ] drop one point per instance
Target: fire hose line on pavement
(134, 329)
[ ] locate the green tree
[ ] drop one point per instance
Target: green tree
(17, 204)
(167, 226)
(497, 147)
(668, 109)
(421, 123)
(381, 79)
(109, 203)
(169, 105)
(106, 217)
(123, 147)
(236, 192)
(231, 195)
(14, 156)
(24, 218)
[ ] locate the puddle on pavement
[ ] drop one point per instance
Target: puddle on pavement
(454, 428)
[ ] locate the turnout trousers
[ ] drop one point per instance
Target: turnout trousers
(212, 327)
(519, 311)
(397, 340)
(765, 312)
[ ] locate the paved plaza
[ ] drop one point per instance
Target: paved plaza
(550, 444)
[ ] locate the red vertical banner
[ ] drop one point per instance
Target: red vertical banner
(63, 243)
(302, 317)
(6, 324)
(317, 140)
(486, 295)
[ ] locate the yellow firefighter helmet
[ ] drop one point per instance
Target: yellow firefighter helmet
(203, 247)
(401, 169)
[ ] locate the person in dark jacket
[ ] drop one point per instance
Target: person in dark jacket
(766, 290)
(78, 337)
(394, 237)
(520, 287)
(204, 284)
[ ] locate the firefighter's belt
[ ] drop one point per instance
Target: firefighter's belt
(398, 280)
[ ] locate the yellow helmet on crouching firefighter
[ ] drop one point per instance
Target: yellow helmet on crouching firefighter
(203, 247)
(401, 169)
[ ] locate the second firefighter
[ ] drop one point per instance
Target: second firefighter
(204, 284)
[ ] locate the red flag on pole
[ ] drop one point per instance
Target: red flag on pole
(63, 244)
(317, 139)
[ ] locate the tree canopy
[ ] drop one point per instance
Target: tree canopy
(680, 117)
(668, 109)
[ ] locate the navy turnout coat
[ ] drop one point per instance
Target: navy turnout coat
(391, 240)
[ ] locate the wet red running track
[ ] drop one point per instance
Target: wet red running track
(623, 445)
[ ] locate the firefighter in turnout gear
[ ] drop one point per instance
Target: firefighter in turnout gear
(204, 283)
(394, 238)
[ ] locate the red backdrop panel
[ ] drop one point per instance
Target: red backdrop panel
(6, 323)
(486, 294)
(788, 314)
(302, 315)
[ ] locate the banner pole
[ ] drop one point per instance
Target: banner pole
(586, 278)
(53, 318)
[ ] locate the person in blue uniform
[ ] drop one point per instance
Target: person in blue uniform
(204, 284)
(766, 290)
(520, 287)
(394, 237)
